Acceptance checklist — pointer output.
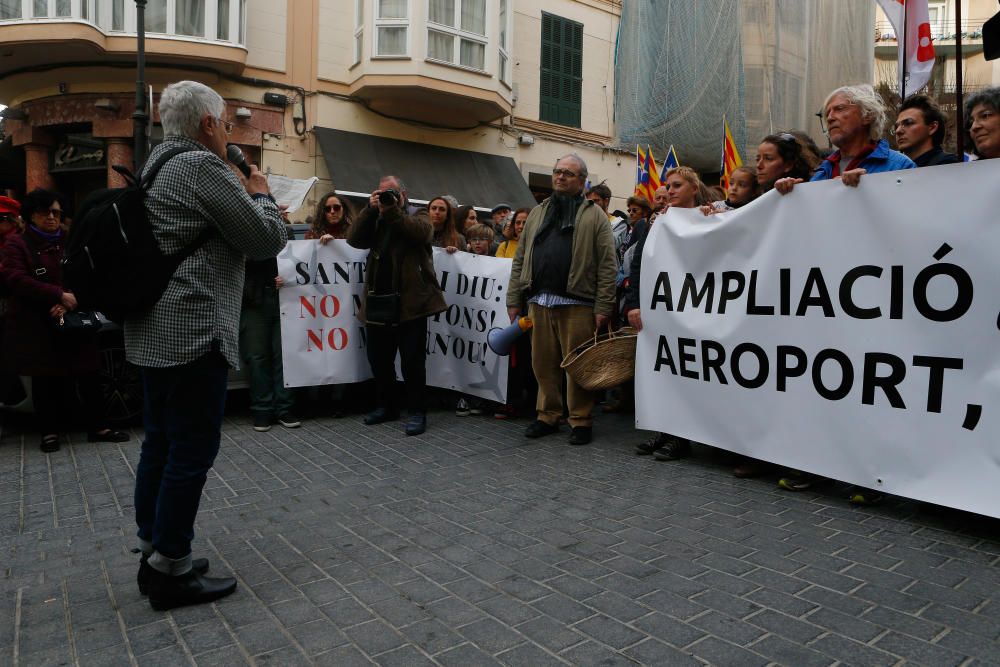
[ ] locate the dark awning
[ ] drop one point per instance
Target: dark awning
(357, 161)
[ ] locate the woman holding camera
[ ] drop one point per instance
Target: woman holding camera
(401, 291)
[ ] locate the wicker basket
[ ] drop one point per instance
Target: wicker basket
(603, 362)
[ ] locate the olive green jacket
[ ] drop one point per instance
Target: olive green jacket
(593, 268)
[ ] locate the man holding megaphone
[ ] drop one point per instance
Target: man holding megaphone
(564, 270)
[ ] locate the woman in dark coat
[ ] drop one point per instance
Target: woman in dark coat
(33, 347)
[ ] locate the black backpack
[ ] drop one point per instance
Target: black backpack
(112, 262)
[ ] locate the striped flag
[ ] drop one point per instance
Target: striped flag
(654, 173)
(669, 163)
(643, 174)
(730, 156)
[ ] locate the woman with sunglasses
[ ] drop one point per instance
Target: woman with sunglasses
(55, 361)
(333, 219)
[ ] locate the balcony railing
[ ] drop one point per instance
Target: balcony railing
(211, 20)
(942, 30)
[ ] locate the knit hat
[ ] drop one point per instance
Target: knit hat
(8, 205)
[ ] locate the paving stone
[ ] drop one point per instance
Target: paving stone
(609, 631)
(550, 633)
(852, 652)
(786, 652)
(718, 652)
(918, 651)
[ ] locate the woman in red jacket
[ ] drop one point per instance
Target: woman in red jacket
(55, 361)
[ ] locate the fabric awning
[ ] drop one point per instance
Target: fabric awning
(357, 161)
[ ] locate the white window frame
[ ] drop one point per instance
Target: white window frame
(391, 23)
(459, 35)
(504, 75)
(935, 12)
(359, 30)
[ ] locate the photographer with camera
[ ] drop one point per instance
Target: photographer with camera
(401, 291)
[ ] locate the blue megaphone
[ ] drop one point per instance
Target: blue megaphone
(502, 340)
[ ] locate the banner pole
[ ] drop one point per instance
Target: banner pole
(902, 59)
(959, 113)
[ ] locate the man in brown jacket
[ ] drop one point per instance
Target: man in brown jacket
(564, 270)
(401, 291)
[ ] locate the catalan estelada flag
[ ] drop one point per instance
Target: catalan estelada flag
(643, 174)
(654, 174)
(669, 163)
(730, 156)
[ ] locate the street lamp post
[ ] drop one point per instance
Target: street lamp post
(141, 116)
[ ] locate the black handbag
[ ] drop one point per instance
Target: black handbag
(384, 309)
(78, 323)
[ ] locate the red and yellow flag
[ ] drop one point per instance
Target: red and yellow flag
(730, 156)
(644, 174)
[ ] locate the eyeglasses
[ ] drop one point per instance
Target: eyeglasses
(333, 208)
(564, 172)
(906, 122)
(839, 109)
(56, 213)
(479, 240)
(787, 136)
(7, 217)
(226, 124)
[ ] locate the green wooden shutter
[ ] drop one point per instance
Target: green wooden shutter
(561, 71)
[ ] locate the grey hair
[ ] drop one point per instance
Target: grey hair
(873, 109)
(184, 104)
(579, 160)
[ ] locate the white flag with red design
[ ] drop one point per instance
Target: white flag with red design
(917, 49)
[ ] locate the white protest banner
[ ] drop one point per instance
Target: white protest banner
(323, 341)
(848, 332)
(457, 355)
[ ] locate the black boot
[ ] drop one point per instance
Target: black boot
(416, 423)
(167, 592)
(199, 565)
(380, 415)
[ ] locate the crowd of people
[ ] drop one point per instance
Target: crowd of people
(576, 269)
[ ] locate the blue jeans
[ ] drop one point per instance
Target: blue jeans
(260, 346)
(183, 420)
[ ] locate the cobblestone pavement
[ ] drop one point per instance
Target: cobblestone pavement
(471, 545)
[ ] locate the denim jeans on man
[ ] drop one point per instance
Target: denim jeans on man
(183, 420)
(260, 347)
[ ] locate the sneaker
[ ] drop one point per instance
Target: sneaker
(476, 411)
(862, 496)
(797, 481)
(261, 423)
(657, 441)
(462, 409)
(288, 420)
(675, 448)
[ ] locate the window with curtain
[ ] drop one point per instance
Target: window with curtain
(359, 29)
(40, 8)
(222, 29)
(189, 17)
(156, 16)
(391, 25)
(457, 32)
(504, 46)
(10, 9)
(64, 8)
(391, 9)
(117, 14)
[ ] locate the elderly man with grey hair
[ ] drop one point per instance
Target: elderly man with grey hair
(564, 274)
(855, 118)
(186, 343)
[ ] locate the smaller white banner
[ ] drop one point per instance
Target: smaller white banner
(323, 340)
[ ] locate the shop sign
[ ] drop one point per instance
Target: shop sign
(78, 153)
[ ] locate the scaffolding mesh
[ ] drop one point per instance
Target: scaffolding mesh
(766, 64)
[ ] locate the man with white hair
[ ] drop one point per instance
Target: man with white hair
(564, 270)
(855, 118)
(187, 342)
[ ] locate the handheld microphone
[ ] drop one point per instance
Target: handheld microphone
(235, 155)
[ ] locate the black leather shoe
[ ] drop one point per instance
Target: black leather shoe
(539, 429)
(166, 592)
(416, 423)
(380, 415)
(199, 565)
(581, 435)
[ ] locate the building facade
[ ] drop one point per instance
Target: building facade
(476, 98)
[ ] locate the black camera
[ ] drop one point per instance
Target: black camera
(389, 197)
